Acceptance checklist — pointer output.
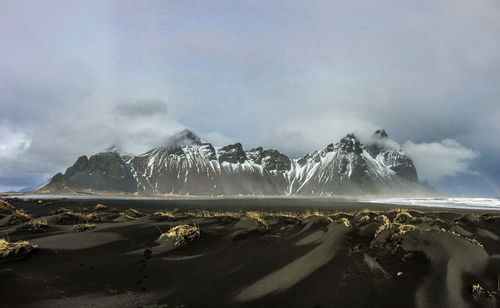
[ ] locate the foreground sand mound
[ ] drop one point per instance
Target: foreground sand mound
(289, 257)
(37, 226)
(452, 258)
(251, 224)
(6, 208)
(100, 207)
(10, 215)
(14, 250)
(180, 235)
(83, 227)
(74, 218)
(292, 273)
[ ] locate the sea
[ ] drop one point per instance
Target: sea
(492, 204)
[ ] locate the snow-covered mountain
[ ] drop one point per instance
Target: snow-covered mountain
(188, 165)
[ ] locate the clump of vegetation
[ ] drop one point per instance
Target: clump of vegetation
(338, 215)
(132, 214)
(100, 207)
(360, 220)
(472, 240)
(70, 218)
(403, 217)
(490, 218)
(343, 221)
(37, 226)
(472, 217)
(221, 214)
(308, 213)
(364, 219)
(257, 216)
(369, 212)
(182, 234)
(62, 210)
(19, 217)
(478, 291)
(83, 227)
(396, 230)
(10, 250)
(6, 208)
(316, 219)
(391, 231)
(44, 203)
(164, 213)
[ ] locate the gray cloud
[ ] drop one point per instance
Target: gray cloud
(144, 108)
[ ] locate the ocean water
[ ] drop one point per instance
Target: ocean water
(492, 204)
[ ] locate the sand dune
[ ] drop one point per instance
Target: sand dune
(340, 255)
(300, 268)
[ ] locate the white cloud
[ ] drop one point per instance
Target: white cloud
(437, 160)
(217, 139)
(12, 144)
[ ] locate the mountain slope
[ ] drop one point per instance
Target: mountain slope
(187, 165)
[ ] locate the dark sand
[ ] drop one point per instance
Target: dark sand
(340, 256)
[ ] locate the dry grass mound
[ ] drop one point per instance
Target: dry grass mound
(73, 218)
(343, 221)
(6, 208)
(62, 210)
(83, 227)
(403, 217)
(14, 250)
(19, 217)
(100, 207)
(132, 214)
(181, 235)
(164, 213)
(37, 226)
(259, 218)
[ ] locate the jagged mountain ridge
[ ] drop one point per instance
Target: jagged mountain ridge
(188, 165)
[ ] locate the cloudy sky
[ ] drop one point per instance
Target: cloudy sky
(79, 76)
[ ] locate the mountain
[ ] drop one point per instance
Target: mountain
(188, 165)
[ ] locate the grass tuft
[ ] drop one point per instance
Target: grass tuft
(83, 227)
(164, 213)
(100, 207)
(182, 234)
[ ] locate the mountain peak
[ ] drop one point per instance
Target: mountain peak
(183, 138)
(350, 143)
(380, 134)
(114, 148)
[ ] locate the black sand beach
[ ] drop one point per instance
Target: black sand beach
(246, 253)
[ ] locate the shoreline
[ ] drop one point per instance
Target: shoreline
(343, 203)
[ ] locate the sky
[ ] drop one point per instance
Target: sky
(79, 76)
